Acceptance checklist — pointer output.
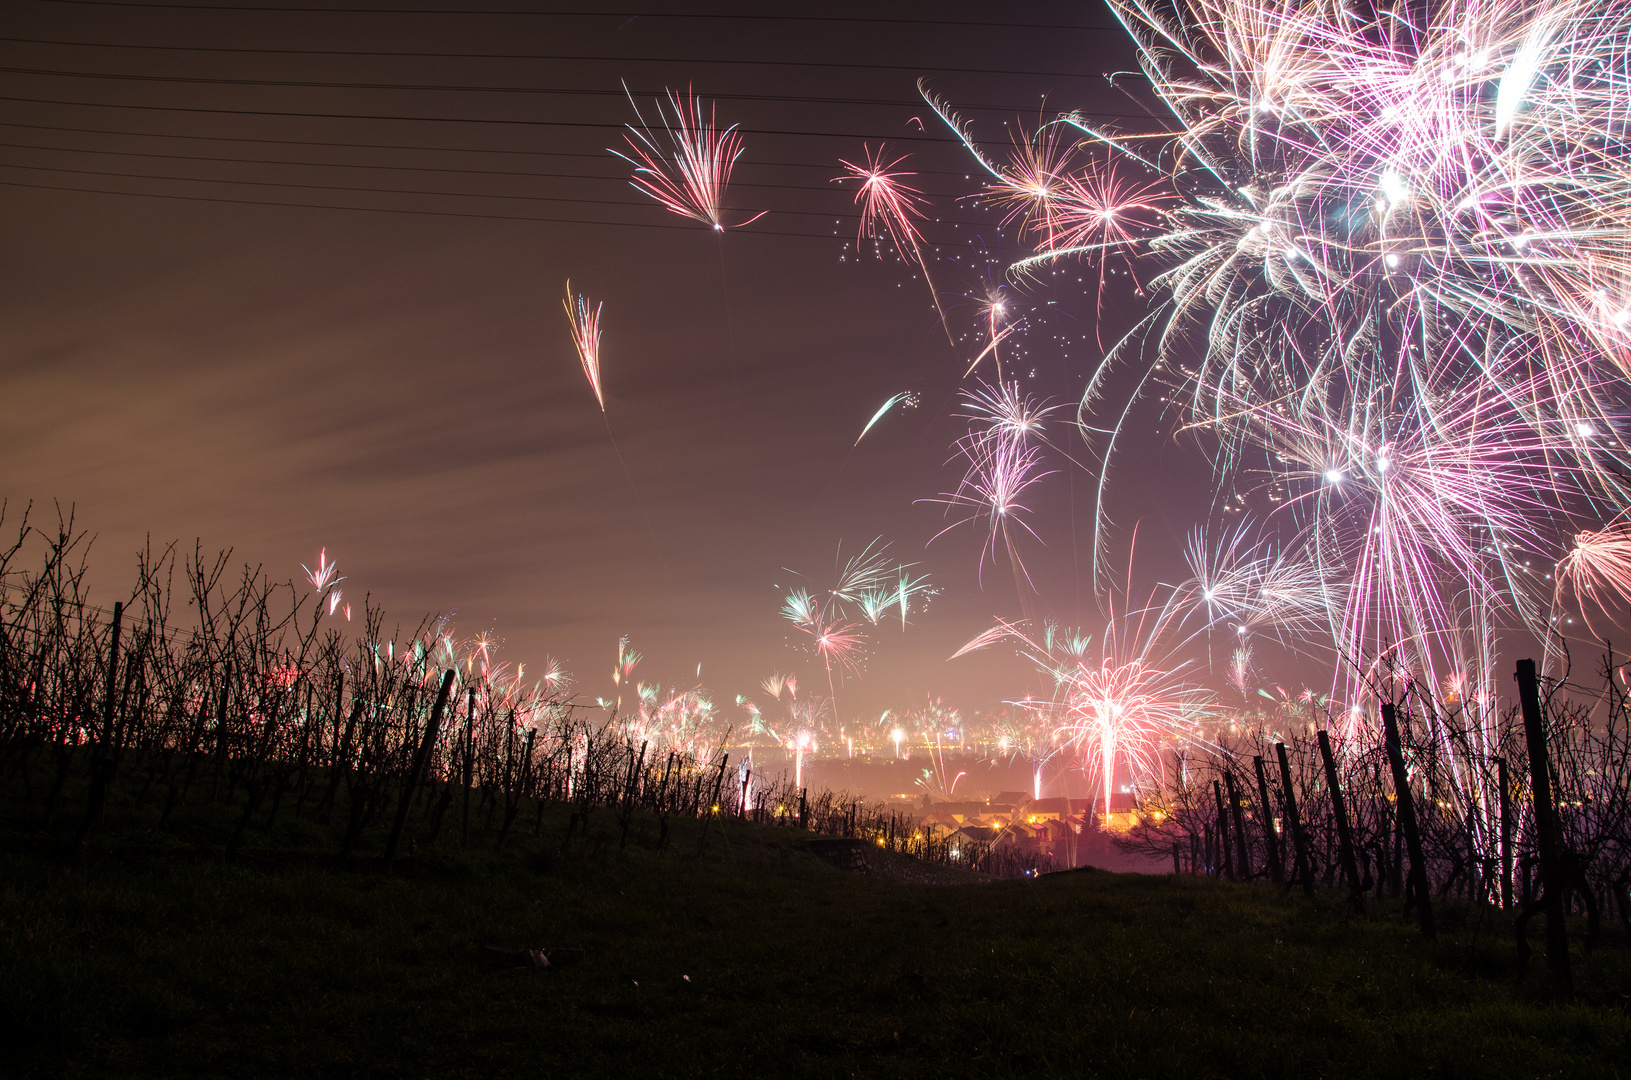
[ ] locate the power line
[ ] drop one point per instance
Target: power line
(463, 120)
(352, 188)
(419, 213)
(890, 102)
(259, 9)
(598, 156)
(311, 84)
(355, 189)
(686, 60)
(515, 173)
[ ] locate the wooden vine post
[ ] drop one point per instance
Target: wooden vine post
(1242, 852)
(1405, 804)
(1271, 840)
(420, 758)
(1223, 833)
(102, 762)
(1339, 809)
(1546, 839)
(1294, 822)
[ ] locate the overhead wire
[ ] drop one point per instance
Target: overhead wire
(621, 178)
(673, 226)
(713, 16)
(567, 58)
(415, 87)
(416, 148)
(779, 99)
(406, 191)
(503, 121)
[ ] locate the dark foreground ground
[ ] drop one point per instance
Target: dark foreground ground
(142, 957)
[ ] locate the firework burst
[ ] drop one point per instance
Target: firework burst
(1116, 707)
(891, 207)
(1390, 250)
(1596, 570)
(688, 171)
(585, 323)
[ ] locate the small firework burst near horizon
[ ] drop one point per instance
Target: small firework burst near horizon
(1117, 706)
(326, 579)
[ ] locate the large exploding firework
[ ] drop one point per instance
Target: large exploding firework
(1390, 250)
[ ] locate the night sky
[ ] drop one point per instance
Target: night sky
(198, 345)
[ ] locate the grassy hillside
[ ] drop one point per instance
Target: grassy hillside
(139, 957)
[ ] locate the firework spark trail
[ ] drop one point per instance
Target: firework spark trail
(890, 207)
(1003, 413)
(1019, 730)
(801, 726)
(585, 326)
(586, 337)
(1400, 515)
(684, 721)
(876, 604)
(992, 489)
(690, 174)
(1100, 212)
(996, 339)
(1240, 581)
(905, 397)
(839, 644)
(497, 690)
(862, 573)
(1029, 189)
(998, 326)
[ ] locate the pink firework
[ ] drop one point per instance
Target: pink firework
(1597, 569)
(326, 574)
(586, 336)
(1121, 712)
(999, 471)
(840, 647)
(325, 579)
(1119, 708)
(889, 206)
(838, 643)
(1098, 210)
(1029, 189)
(997, 313)
(689, 177)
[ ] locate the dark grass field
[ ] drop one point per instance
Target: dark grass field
(149, 955)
